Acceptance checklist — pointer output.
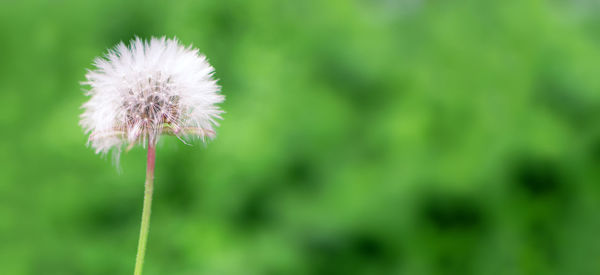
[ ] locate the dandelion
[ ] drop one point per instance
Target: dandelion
(142, 91)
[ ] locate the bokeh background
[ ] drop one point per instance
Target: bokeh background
(361, 137)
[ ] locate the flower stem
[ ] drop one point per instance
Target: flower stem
(149, 188)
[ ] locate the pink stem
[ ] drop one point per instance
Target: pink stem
(151, 161)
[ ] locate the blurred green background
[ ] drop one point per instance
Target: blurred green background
(361, 137)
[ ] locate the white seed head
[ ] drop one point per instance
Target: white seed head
(146, 89)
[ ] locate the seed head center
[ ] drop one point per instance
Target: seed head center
(151, 104)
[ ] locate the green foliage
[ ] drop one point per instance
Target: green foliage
(361, 137)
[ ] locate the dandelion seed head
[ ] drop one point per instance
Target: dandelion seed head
(149, 88)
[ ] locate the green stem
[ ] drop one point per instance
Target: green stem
(149, 188)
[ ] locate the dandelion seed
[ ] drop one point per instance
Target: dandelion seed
(146, 89)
